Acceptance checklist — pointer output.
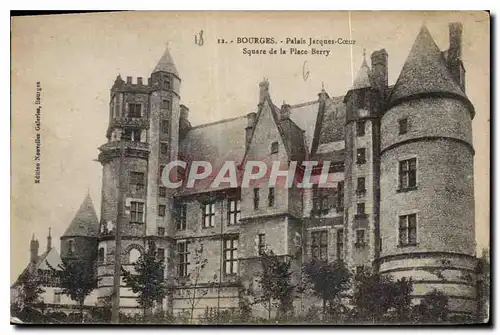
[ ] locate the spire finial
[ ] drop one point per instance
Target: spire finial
(322, 86)
(33, 237)
(364, 53)
(50, 228)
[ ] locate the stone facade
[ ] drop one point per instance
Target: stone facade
(414, 220)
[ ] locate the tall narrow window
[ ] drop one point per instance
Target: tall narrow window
(360, 238)
(407, 173)
(340, 198)
(231, 256)
(71, 247)
(136, 181)
(134, 110)
(274, 147)
(162, 191)
(233, 211)
(262, 243)
(166, 104)
(165, 127)
(408, 230)
(160, 253)
(131, 135)
(136, 212)
(340, 243)
(360, 209)
(100, 257)
(256, 198)
(360, 128)
(319, 245)
(361, 156)
(161, 210)
(361, 186)
(270, 197)
(322, 200)
(183, 259)
(180, 216)
(161, 231)
(403, 126)
(164, 148)
(209, 214)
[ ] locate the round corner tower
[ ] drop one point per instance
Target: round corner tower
(427, 219)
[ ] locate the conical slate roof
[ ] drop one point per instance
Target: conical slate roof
(85, 222)
(166, 64)
(424, 71)
(362, 79)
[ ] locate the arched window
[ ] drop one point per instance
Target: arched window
(100, 257)
(133, 255)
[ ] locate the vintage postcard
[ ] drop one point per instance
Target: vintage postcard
(251, 168)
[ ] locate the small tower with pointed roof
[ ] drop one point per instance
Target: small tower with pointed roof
(79, 241)
(362, 137)
(427, 211)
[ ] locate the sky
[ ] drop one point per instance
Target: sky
(76, 59)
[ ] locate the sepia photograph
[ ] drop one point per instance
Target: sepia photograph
(250, 168)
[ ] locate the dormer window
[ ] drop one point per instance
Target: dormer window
(274, 147)
(134, 110)
(403, 126)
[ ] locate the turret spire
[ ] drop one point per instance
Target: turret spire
(363, 77)
(166, 63)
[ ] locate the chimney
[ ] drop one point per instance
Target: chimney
(251, 118)
(184, 112)
(379, 71)
(263, 90)
(455, 54)
(34, 250)
(184, 124)
(139, 80)
(285, 111)
(49, 241)
(129, 80)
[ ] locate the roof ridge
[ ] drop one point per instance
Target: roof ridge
(217, 122)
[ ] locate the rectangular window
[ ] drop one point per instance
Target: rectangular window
(166, 104)
(162, 191)
(340, 199)
(256, 199)
(234, 211)
(361, 156)
(136, 212)
(161, 210)
(134, 110)
(136, 181)
(319, 245)
(274, 147)
(231, 256)
(403, 126)
(407, 173)
(131, 135)
(57, 297)
(160, 252)
(161, 231)
(360, 209)
(360, 238)
(360, 128)
(408, 230)
(164, 148)
(322, 200)
(183, 259)
(160, 171)
(340, 243)
(270, 197)
(165, 127)
(180, 216)
(361, 185)
(360, 269)
(209, 214)
(262, 243)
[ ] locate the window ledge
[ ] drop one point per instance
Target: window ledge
(136, 222)
(407, 245)
(360, 245)
(360, 216)
(361, 162)
(361, 192)
(406, 189)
